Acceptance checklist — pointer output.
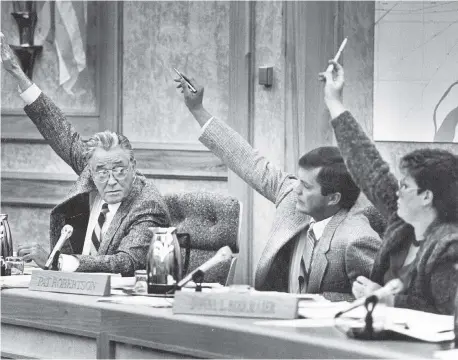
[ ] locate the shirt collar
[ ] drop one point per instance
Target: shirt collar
(114, 207)
(319, 226)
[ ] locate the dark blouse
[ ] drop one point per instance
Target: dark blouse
(398, 270)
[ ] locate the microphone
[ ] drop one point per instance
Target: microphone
(222, 254)
(65, 234)
(392, 287)
(301, 280)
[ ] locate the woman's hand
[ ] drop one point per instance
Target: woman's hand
(334, 83)
(363, 287)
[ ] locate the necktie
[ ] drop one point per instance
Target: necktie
(308, 251)
(97, 234)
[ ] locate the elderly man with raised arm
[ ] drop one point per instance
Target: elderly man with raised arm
(111, 206)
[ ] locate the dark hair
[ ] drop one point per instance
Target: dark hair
(333, 176)
(436, 170)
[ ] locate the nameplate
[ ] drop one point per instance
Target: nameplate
(253, 304)
(71, 282)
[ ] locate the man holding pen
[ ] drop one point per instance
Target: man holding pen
(324, 255)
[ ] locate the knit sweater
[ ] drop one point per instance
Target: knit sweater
(434, 278)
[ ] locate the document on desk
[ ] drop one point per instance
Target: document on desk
(15, 281)
(412, 323)
(420, 325)
(151, 301)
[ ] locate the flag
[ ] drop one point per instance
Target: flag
(64, 24)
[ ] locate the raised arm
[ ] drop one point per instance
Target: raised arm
(267, 179)
(47, 117)
(370, 172)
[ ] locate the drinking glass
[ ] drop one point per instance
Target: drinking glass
(15, 264)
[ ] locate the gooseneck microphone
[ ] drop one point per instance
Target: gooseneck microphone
(392, 287)
(222, 255)
(65, 234)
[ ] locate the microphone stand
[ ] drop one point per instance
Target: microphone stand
(197, 277)
(367, 332)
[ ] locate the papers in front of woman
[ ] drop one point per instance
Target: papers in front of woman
(416, 324)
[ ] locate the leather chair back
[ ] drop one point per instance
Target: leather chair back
(211, 220)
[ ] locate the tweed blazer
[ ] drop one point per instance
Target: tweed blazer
(434, 281)
(127, 239)
(347, 248)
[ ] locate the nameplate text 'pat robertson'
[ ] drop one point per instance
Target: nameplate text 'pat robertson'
(71, 282)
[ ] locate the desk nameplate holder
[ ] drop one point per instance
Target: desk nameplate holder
(71, 282)
(253, 304)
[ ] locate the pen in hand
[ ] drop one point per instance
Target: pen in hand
(192, 88)
(336, 58)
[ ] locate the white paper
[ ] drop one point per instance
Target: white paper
(15, 281)
(122, 282)
(446, 354)
(151, 301)
(298, 323)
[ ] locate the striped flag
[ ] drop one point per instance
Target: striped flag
(64, 23)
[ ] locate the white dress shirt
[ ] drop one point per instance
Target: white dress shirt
(319, 226)
(70, 263)
(206, 124)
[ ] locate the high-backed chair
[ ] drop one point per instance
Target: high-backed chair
(212, 221)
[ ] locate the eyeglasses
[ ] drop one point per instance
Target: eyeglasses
(403, 187)
(119, 173)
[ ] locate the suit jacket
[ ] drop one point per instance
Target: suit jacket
(127, 239)
(346, 249)
(434, 280)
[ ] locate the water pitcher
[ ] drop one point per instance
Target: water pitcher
(164, 267)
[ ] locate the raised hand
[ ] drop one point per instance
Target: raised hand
(11, 64)
(9, 59)
(192, 100)
(334, 83)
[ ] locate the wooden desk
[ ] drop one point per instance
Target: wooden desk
(51, 325)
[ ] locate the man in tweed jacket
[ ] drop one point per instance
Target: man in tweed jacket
(107, 174)
(346, 245)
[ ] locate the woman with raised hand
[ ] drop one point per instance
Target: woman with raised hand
(420, 244)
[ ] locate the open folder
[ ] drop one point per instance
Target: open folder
(411, 323)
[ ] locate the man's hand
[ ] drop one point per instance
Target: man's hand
(9, 59)
(33, 252)
(362, 287)
(334, 83)
(194, 100)
(11, 64)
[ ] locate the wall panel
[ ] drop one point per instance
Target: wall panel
(192, 36)
(269, 102)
